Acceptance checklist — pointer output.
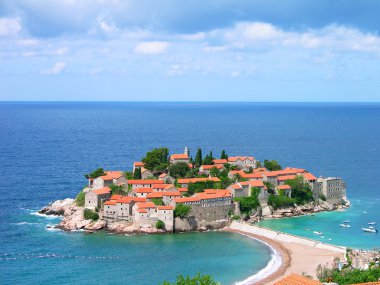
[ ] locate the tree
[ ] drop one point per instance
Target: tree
(301, 190)
(96, 173)
(198, 157)
(90, 215)
(137, 173)
(157, 201)
(196, 280)
(80, 199)
(208, 160)
(160, 225)
(179, 169)
(223, 155)
(214, 172)
(272, 165)
(157, 159)
(117, 189)
(181, 211)
(128, 175)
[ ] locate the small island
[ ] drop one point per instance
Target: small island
(177, 193)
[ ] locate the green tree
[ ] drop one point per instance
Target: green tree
(160, 225)
(208, 160)
(80, 199)
(250, 203)
(117, 189)
(179, 169)
(223, 155)
(214, 172)
(272, 165)
(201, 186)
(157, 201)
(196, 280)
(181, 211)
(156, 160)
(280, 201)
(198, 157)
(301, 190)
(96, 173)
(128, 175)
(90, 215)
(137, 173)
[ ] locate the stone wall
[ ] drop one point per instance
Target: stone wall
(210, 214)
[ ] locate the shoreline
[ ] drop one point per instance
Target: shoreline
(297, 255)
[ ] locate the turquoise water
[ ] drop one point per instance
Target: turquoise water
(359, 214)
(45, 148)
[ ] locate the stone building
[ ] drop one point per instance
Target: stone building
(332, 188)
(242, 162)
(94, 198)
(142, 183)
(166, 214)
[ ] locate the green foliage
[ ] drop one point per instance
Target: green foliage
(280, 201)
(157, 159)
(269, 185)
(322, 197)
(160, 225)
(90, 215)
(249, 170)
(247, 204)
(225, 182)
(301, 191)
(214, 172)
(196, 280)
(117, 189)
(137, 173)
(179, 169)
(258, 164)
(235, 217)
(198, 158)
(128, 175)
(200, 187)
(208, 160)
(181, 211)
(80, 199)
(96, 173)
(348, 276)
(157, 201)
(272, 165)
(224, 155)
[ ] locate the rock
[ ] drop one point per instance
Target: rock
(58, 207)
(95, 226)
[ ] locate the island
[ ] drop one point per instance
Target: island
(166, 193)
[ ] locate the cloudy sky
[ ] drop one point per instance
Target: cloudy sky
(215, 50)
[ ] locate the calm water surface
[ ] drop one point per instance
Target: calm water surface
(47, 147)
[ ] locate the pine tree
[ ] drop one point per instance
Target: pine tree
(198, 158)
(223, 155)
(137, 173)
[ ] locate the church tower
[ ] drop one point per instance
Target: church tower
(186, 151)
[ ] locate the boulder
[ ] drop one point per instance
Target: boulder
(58, 207)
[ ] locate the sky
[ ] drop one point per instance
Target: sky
(215, 50)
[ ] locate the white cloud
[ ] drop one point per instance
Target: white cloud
(61, 51)
(56, 69)
(10, 26)
(151, 47)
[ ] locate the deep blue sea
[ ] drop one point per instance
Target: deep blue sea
(45, 148)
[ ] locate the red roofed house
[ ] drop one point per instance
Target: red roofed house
(143, 183)
(111, 177)
(166, 214)
(94, 198)
(181, 157)
(137, 164)
(242, 162)
(119, 209)
(295, 279)
(186, 181)
(205, 169)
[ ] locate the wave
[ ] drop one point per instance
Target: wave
(272, 266)
(25, 223)
(45, 216)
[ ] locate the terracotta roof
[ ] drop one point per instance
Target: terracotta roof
(194, 180)
(139, 199)
(190, 165)
(179, 156)
(138, 164)
(242, 158)
(113, 202)
(126, 199)
(183, 189)
(213, 194)
(116, 197)
(145, 181)
(155, 195)
(144, 190)
(162, 186)
(284, 187)
(252, 175)
(142, 211)
(295, 279)
(171, 193)
(165, 208)
(162, 175)
(286, 177)
(207, 167)
(253, 183)
(260, 169)
(186, 199)
(308, 176)
(104, 190)
(110, 175)
(220, 161)
(236, 186)
(146, 205)
(368, 283)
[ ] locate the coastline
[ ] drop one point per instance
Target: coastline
(297, 255)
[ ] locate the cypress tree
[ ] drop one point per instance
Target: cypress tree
(137, 173)
(198, 158)
(223, 155)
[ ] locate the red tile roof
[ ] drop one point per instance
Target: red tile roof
(286, 177)
(155, 195)
(284, 187)
(208, 167)
(220, 161)
(165, 208)
(242, 158)
(162, 186)
(308, 176)
(113, 202)
(186, 199)
(144, 190)
(295, 279)
(142, 211)
(183, 189)
(110, 175)
(138, 164)
(146, 205)
(116, 197)
(253, 183)
(179, 156)
(368, 283)
(145, 181)
(171, 193)
(104, 190)
(194, 180)
(213, 194)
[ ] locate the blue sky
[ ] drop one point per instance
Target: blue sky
(256, 50)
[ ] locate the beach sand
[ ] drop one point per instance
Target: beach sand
(298, 255)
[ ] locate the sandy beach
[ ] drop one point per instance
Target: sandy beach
(298, 255)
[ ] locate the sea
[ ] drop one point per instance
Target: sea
(47, 147)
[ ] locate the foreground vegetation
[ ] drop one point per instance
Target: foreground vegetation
(196, 280)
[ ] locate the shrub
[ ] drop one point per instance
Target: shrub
(196, 280)
(322, 197)
(181, 210)
(157, 201)
(160, 225)
(179, 169)
(272, 165)
(80, 199)
(96, 173)
(90, 215)
(247, 204)
(235, 217)
(280, 201)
